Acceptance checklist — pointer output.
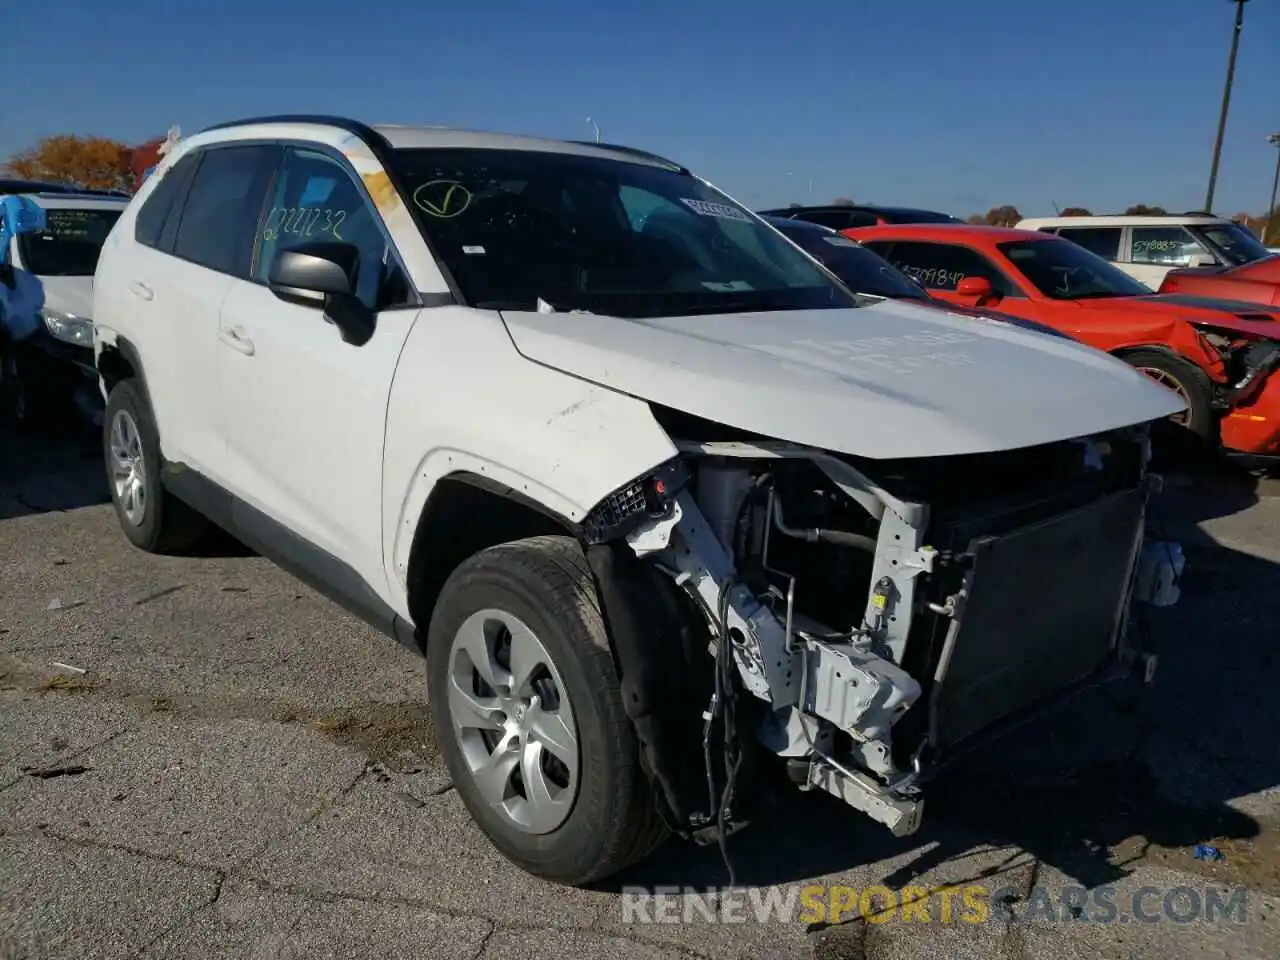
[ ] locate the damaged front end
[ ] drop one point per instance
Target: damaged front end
(866, 622)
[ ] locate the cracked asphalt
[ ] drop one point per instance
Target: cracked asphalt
(199, 757)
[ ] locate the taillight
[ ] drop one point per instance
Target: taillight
(1170, 285)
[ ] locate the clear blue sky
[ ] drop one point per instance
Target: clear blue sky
(956, 106)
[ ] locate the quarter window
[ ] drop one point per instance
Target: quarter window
(149, 224)
(1103, 241)
(216, 219)
(317, 199)
(941, 266)
(1166, 246)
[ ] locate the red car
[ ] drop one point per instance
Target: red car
(1218, 355)
(1258, 281)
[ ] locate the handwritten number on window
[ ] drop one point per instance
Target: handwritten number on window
(303, 222)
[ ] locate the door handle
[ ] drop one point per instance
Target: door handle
(236, 339)
(141, 290)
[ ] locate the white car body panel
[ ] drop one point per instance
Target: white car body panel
(169, 308)
(301, 421)
(464, 400)
(70, 295)
(837, 379)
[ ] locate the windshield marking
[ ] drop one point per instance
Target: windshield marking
(450, 202)
(720, 210)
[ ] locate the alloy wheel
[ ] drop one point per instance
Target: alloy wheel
(513, 721)
(128, 476)
(1166, 379)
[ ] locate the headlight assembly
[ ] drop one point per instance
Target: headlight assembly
(68, 328)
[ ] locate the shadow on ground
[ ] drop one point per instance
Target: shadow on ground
(56, 465)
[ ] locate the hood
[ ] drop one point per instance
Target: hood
(1248, 317)
(73, 295)
(885, 381)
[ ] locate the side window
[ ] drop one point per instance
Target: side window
(315, 198)
(149, 223)
(860, 218)
(218, 215)
(1104, 241)
(1166, 246)
(941, 266)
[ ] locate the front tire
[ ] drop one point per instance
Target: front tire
(1189, 382)
(151, 517)
(527, 706)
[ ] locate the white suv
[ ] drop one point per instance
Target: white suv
(1147, 248)
(658, 497)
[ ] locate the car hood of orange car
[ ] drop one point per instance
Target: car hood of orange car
(1257, 319)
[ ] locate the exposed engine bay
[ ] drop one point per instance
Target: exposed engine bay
(868, 621)
(1247, 361)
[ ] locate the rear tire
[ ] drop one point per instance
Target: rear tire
(536, 599)
(1188, 381)
(151, 517)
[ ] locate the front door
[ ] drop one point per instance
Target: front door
(303, 411)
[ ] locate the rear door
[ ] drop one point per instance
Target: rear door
(179, 285)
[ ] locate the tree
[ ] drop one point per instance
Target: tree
(93, 162)
(842, 202)
(1142, 210)
(1005, 216)
(976, 220)
(1076, 212)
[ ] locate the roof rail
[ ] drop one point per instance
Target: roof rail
(371, 137)
(633, 151)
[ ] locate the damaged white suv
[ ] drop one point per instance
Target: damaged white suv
(660, 499)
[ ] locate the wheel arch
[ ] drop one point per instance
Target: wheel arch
(118, 359)
(464, 514)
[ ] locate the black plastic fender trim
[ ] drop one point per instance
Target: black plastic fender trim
(666, 676)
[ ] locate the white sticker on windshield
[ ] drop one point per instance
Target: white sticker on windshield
(721, 210)
(728, 286)
(840, 241)
(474, 251)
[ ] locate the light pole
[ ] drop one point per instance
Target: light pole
(595, 127)
(1226, 102)
(1272, 223)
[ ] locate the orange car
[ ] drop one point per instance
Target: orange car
(1218, 355)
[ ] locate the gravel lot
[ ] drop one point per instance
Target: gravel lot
(245, 771)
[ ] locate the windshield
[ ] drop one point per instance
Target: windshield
(604, 236)
(857, 267)
(69, 244)
(1066, 271)
(1233, 241)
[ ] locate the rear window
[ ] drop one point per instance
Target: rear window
(1102, 241)
(69, 244)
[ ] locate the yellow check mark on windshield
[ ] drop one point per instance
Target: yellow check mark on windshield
(448, 206)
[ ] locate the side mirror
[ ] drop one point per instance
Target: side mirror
(313, 272)
(975, 288)
(323, 274)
